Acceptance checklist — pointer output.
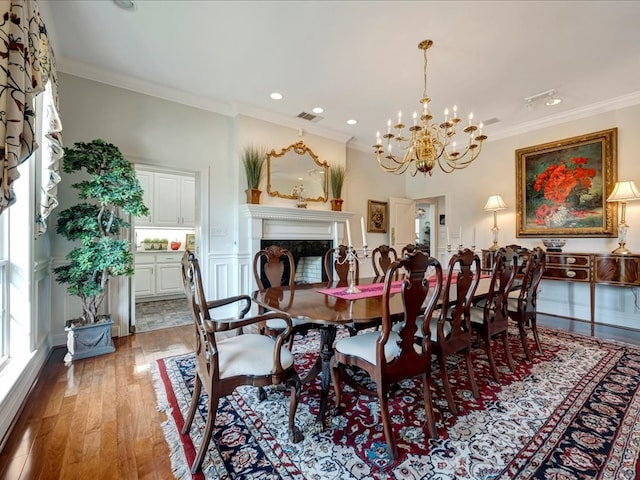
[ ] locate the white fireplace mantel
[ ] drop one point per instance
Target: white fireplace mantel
(271, 212)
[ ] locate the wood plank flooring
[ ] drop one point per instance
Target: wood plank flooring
(97, 419)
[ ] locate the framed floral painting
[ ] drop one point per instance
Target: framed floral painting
(376, 217)
(562, 187)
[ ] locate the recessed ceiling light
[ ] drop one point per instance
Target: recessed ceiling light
(553, 101)
(317, 110)
(352, 121)
(125, 4)
(276, 96)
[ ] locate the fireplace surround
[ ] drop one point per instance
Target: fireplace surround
(264, 225)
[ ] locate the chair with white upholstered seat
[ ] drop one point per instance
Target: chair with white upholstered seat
(390, 356)
(223, 365)
(490, 319)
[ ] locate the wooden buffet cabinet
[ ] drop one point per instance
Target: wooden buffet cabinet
(589, 268)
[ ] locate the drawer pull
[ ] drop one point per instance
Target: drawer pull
(571, 260)
(571, 273)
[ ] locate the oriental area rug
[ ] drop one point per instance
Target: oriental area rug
(571, 413)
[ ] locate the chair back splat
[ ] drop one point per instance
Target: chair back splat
(222, 365)
(336, 267)
(387, 355)
(382, 257)
(452, 333)
(274, 267)
(522, 305)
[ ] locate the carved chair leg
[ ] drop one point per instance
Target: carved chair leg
(523, 338)
(337, 388)
(472, 378)
(295, 435)
(445, 383)
(507, 350)
(428, 405)
(492, 361)
(534, 327)
(386, 421)
(193, 406)
(212, 410)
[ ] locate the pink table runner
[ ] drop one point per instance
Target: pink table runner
(375, 289)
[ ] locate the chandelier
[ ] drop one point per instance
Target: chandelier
(428, 143)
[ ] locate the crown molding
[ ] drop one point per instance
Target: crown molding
(107, 77)
(82, 70)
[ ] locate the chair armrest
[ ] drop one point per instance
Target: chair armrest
(228, 301)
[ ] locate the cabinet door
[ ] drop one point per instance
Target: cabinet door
(188, 202)
(146, 182)
(166, 200)
(168, 279)
(144, 280)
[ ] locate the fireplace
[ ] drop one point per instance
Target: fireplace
(308, 258)
(310, 230)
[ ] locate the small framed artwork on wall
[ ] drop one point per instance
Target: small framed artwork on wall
(377, 217)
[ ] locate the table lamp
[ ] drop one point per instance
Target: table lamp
(494, 204)
(622, 193)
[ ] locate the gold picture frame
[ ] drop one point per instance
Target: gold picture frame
(377, 217)
(562, 187)
(190, 242)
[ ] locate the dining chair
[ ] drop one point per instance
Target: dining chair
(335, 262)
(382, 257)
(490, 318)
(390, 356)
(522, 304)
(408, 248)
(274, 267)
(224, 364)
(451, 332)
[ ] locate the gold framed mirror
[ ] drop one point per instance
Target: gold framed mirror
(297, 166)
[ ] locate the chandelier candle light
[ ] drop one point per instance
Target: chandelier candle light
(352, 257)
(495, 203)
(428, 144)
(622, 193)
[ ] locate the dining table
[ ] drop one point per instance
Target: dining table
(327, 305)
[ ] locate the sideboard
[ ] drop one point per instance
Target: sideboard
(587, 268)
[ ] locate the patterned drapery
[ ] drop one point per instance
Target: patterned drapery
(26, 64)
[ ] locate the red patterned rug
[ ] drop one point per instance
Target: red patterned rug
(571, 413)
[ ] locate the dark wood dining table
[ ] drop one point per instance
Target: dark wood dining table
(329, 312)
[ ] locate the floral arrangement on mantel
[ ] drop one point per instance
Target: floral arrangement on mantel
(566, 188)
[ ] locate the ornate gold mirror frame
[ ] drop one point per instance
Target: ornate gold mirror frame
(297, 166)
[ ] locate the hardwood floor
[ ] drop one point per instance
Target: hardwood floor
(97, 419)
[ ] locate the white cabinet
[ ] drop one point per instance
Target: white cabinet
(158, 274)
(170, 197)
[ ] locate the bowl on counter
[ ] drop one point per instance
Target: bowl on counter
(554, 244)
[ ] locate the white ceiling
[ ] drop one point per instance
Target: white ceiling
(359, 59)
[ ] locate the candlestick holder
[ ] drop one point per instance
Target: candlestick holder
(352, 257)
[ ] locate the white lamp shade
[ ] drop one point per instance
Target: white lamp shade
(494, 203)
(624, 192)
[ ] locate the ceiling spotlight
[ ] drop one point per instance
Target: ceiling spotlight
(125, 4)
(317, 110)
(276, 96)
(351, 121)
(549, 95)
(552, 100)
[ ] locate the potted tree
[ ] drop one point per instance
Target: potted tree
(111, 190)
(253, 159)
(336, 175)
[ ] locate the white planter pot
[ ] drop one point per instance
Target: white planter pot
(89, 340)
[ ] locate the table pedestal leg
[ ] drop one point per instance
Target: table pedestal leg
(327, 337)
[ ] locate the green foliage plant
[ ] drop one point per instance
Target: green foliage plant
(253, 159)
(111, 189)
(337, 174)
